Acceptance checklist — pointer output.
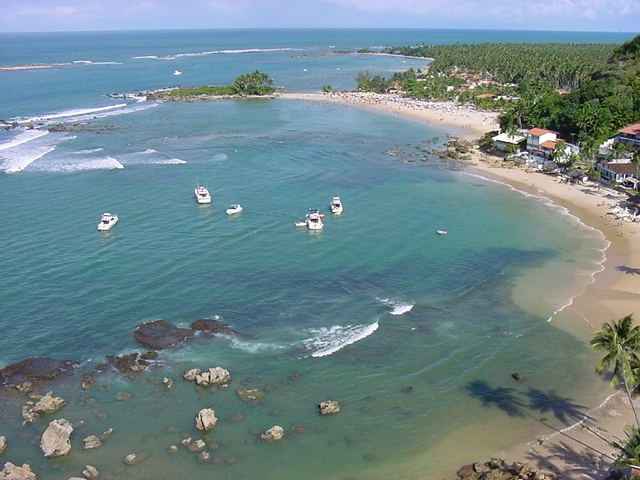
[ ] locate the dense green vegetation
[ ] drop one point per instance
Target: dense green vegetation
(585, 92)
(557, 65)
(256, 83)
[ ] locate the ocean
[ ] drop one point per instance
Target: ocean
(417, 335)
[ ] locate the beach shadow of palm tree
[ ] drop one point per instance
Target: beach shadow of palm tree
(567, 461)
(628, 270)
(562, 408)
(503, 398)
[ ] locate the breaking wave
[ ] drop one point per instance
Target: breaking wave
(214, 52)
(20, 153)
(327, 341)
(91, 62)
(397, 307)
(23, 137)
(78, 112)
(105, 163)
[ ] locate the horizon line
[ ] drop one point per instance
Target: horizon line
(178, 29)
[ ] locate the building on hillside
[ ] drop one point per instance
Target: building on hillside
(541, 142)
(508, 143)
(629, 135)
(617, 171)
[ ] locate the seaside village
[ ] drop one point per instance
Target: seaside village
(616, 173)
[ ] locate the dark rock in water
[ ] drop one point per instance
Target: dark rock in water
(407, 389)
(161, 334)
(35, 370)
(498, 469)
(250, 395)
(130, 363)
(516, 376)
(213, 327)
(87, 381)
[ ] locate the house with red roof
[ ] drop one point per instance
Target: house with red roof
(629, 135)
(541, 142)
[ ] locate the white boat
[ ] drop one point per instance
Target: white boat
(442, 232)
(202, 195)
(177, 73)
(107, 222)
(233, 209)
(336, 206)
(314, 220)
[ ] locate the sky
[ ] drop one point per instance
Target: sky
(65, 15)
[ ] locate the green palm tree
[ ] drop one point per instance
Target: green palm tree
(629, 449)
(620, 342)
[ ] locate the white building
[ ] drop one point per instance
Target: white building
(541, 141)
(508, 143)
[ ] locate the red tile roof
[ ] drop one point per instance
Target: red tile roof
(549, 145)
(538, 132)
(633, 129)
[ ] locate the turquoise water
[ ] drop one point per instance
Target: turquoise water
(373, 305)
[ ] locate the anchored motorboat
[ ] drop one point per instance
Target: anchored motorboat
(202, 194)
(336, 206)
(234, 209)
(442, 232)
(107, 222)
(314, 220)
(177, 72)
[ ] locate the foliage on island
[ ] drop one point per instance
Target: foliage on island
(249, 84)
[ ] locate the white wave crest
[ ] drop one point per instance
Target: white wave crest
(215, 52)
(105, 163)
(397, 307)
(255, 347)
(327, 341)
(23, 137)
(90, 150)
(78, 112)
(22, 154)
(169, 161)
(91, 62)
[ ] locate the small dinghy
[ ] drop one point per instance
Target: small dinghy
(234, 209)
(336, 206)
(177, 72)
(442, 232)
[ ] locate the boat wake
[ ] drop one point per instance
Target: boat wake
(327, 341)
(397, 307)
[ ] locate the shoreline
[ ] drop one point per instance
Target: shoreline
(468, 122)
(573, 451)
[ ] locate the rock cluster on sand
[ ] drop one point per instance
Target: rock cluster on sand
(274, 434)
(3, 444)
(498, 469)
(213, 376)
(34, 370)
(206, 419)
(55, 440)
(160, 334)
(329, 407)
(15, 472)
(45, 405)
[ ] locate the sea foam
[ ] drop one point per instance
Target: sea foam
(327, 341)
(397, 307)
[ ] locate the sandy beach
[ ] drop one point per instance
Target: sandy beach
(579, 450)
(466, 121)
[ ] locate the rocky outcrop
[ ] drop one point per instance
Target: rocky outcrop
(91, 442)
(250, 395)
(132, 459)
(213, 327)
(35, 370)
(3, 444)
(14, 472)
(90, 472)
(213, 376)
(160, 334)
(498, 469)
(55, 441)
(46, 404)
(132, 363)
(206, 419)
(329, 407)
(274, 434)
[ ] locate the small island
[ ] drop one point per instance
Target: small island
(249, 85)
